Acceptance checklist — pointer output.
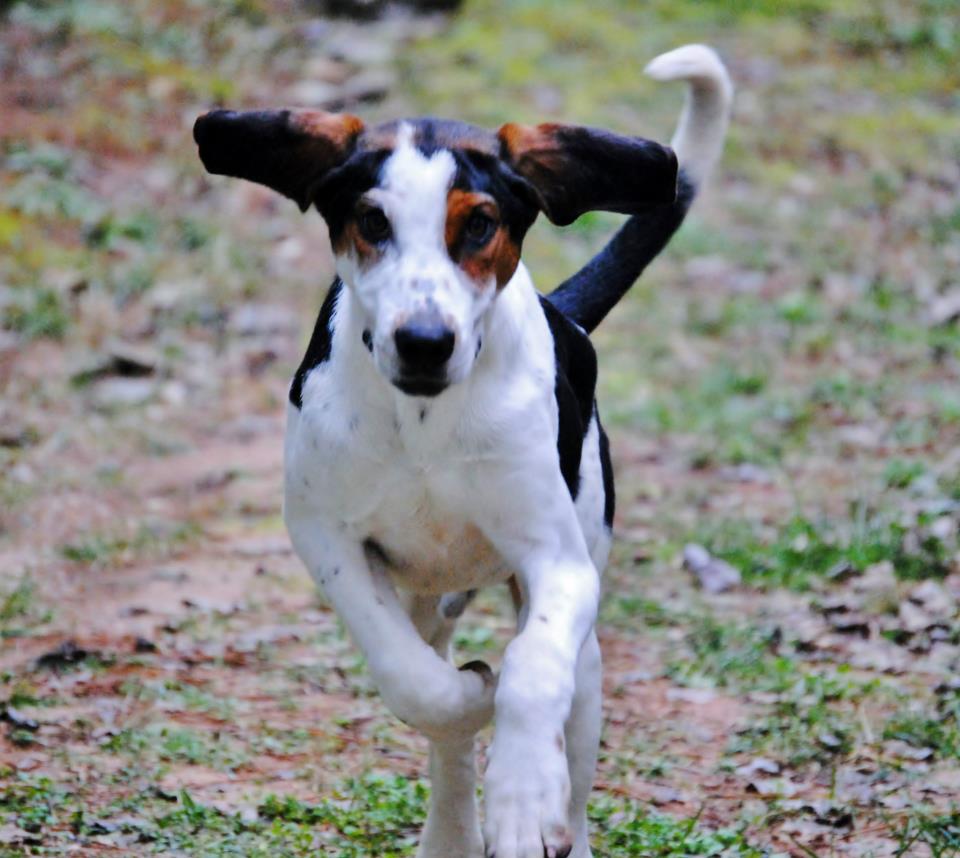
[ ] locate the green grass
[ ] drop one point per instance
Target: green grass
(801, 549)
(168, 743)
(936, 730)
(175, 694)
(810, 713)
(938, 832)
(155, 540)
(631, 829)
(373, 815)
(21, 608)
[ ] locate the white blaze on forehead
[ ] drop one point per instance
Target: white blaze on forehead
(414, 191)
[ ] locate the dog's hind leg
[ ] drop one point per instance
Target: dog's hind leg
(582, 733)
(453, 823)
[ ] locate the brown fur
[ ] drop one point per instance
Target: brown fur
(351, 239)
(338, 130)
(498, 257)
(531, 146)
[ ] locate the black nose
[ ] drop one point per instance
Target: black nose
(424, 347)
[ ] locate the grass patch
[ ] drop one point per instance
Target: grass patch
(172, 744)
(939, 832)
(731, 656)
(810, 715)
(629, 829)
(803, 549)
(922, 728)
(36, 313)
(100, 549)
(20, 608)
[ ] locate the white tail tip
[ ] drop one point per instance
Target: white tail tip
(698, 140)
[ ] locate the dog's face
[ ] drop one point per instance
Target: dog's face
(427, 217)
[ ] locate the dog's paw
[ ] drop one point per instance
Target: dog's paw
(527, 791)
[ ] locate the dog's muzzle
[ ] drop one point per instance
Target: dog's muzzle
(424, 345)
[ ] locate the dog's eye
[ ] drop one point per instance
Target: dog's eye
(480, 227)
(374, 225)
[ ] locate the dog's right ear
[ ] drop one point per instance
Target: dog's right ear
(289, 151)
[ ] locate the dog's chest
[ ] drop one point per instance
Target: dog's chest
(406, 486)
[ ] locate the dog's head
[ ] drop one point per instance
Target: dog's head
(427, 217)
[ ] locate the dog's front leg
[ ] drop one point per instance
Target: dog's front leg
(528, 781)
(417, 685)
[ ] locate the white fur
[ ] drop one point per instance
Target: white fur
(460, 491)
(464, 495)
(415, 273)
(698, 140)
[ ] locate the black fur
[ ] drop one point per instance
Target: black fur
(267, 147)
(487, 174)
(580, 169)
(337, 193)
(574, 387)
(319, 347)
(592, 292)
(606, 467)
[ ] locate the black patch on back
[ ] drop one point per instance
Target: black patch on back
(606, 469)
(318, 350)
(574, 389)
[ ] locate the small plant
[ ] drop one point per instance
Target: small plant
(37, 313)
(941, 734)
(900, 474)
(628, 829)
(938, 832)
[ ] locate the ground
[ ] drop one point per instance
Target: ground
(781, 390)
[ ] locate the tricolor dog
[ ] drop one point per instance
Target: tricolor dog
(442, 431)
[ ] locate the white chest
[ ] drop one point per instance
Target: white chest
(407, 487)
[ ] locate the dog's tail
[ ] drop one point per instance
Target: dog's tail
(592, 292)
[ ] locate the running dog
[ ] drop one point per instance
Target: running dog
(442, 431)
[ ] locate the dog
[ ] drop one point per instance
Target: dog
(442, 430)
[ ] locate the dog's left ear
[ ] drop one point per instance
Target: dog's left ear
(574, 169)
(287, 150)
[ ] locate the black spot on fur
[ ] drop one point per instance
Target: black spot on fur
(318, 350)
(574, 388)
(375, 551)
(367, 338)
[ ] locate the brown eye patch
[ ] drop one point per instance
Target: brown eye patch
(476, 239)
(363, 235)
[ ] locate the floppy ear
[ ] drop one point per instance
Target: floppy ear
(287, 150)
(575, 169)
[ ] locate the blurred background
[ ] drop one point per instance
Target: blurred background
(781, 619)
